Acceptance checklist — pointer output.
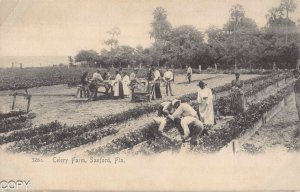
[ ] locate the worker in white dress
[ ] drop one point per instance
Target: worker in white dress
(205, 100)
(118, 86)
(126, 82)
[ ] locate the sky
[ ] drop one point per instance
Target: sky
(63, 27)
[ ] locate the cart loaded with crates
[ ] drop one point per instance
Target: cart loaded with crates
(142, 90)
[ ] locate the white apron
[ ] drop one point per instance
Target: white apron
(116, 85)
(126, 82)
(206, 110)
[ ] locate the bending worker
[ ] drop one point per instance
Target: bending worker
(164, 110)
(188, 117)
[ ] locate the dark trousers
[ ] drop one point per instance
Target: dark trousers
(157, 90)
(168, 88)
(121, 91)
(189, 77)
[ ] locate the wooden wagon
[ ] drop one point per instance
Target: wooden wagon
(141, 90)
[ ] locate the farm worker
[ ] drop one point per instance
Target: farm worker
(188, 116)
(133, 74)
(98, 80)
(93, 87)
(189, 73)
(297, 92)
(156, 81)
(133, 81)
(85, 84)
(165, 108)
(118, 86)
(107, 75)
(126, 82)
(168, 77)
(84, 78)
(97, 76)
(205, 100)
(237, 95)
(150, 77)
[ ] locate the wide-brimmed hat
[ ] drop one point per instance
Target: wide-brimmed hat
(201, 83)
(135, 69)
(175, 101)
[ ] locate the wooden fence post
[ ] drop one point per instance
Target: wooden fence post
(28, 103)
(14, 102)
(233, 147)
(264, 119)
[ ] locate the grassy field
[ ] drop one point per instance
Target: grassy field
(45, 76)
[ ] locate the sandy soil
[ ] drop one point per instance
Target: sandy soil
(70, 110)
(281, 133)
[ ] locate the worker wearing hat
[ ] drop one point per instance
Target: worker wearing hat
(237, 95)
(188, 116)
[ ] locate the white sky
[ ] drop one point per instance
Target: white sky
(63, 27)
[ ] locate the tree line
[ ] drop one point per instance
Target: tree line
(239, 43)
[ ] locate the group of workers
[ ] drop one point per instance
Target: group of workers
(194, 123)
(119, 85)
(156, 77)
(191, 122)
(167, 78)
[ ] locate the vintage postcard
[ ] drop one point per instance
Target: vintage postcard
(149, 95)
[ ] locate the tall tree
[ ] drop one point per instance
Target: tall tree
(89, 56)
(113, 41)
(240, 32)
(288, 6)
(185, 43)
(161, 30)
(237, 13)
(161, 27)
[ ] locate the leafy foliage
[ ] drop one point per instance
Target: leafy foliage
(242, 122)
(239, 43)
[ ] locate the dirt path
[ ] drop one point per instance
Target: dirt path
(71, 110)
(281, 133)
